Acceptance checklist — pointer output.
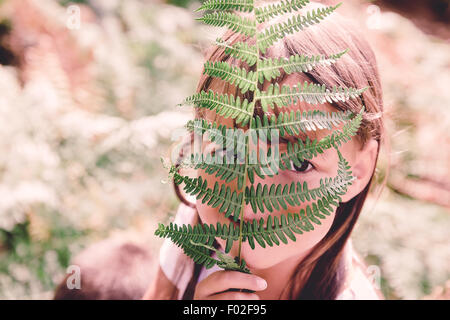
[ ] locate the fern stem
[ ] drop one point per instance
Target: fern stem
(241, 217)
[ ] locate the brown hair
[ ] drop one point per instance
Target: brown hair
(320, 275)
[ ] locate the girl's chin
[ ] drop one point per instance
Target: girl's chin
(259, 258)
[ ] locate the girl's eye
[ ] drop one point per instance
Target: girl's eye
(223, 153)
(305, 166)
(219, 152)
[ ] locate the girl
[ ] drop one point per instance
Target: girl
(320, 264)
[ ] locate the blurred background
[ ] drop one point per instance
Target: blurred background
(87, 106)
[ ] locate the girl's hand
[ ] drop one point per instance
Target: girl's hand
(217, 286)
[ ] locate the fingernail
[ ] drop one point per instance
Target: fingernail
(261, 283)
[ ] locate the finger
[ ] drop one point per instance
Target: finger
(224, 280)
(234, 296)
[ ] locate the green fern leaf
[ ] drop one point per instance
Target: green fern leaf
(219, 134)
(277, 230)
(229, 202)
(225, 261)
(204, 234)
(276, 32)
(298, 152)
(294, 122)
(240, 50)
(230, 20)
(239, 5)
(234, 75)
(199, 255)
(309, 92)
(200, 233)
(270, 68)
(225, 105)
(272, 10)
(237, 163)
(217, 166)
(263, 233)
(279, 196)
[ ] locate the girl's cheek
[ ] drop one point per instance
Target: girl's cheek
(210, 215)
(270, 256)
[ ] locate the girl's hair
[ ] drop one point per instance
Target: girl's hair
(321, 274)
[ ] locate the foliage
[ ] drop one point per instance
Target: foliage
(261, 197)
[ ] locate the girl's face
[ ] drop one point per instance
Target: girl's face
(325, 165)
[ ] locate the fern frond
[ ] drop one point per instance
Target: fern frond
(270, 68)
(273, 231)
(263, 196)
(276, 32)
(278, 196)
(285, 123)
(272, 10)
(309, 92)
(240, 50)
(294, 122)
(196, 241)
(238, 5)
(279, 230)
(298, 152)
(204, 234)
(216, 166)
(225, 261)
(229, 202)
(200, 233)
(328, 194)
(348, 131)
(183, 234)
(219, 134)
(234, 75)
(295, 153)
(225, 105)
(199, 255)
(232, 21)
(301, 151)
